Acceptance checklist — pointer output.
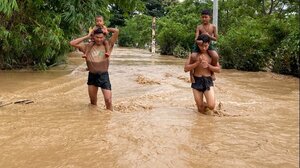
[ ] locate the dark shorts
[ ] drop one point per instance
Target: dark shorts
(100, 80)
(197, 50)
(203, 83)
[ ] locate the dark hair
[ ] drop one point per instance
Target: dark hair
(205, 38)
(99, 16)
(205, 12)
(98, 31)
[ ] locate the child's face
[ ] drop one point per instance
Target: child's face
(205, 19)
(203, 47)
(99, 21)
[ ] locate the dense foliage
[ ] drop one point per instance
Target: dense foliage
(260, 35)
(36, 32)
(254, 35)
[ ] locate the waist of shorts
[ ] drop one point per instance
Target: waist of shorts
(202, 76)
(98, 73)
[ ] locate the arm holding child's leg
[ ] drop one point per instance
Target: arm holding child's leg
(191, 64)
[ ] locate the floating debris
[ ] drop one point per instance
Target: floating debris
(23, 101)
(2, 104)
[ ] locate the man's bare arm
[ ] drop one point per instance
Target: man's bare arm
(190, 64)
(215, 34)
(114, 37)
(216, 68)
(76, 42)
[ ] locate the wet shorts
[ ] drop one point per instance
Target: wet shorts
(197, 50)
(100, 80)
(203, 83)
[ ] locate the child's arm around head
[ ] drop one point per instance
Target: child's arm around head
(214, 35)
(197, 32)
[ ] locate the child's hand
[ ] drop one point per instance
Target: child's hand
(91, 31)
(199, 42)
(104, 30)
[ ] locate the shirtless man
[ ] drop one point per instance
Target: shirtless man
(97, 63)
(202, 75)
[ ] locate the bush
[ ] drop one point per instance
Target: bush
(180, 52)
(244, 47)
(286, 60)
(137, 32)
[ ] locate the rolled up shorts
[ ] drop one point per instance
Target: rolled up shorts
(203, 83)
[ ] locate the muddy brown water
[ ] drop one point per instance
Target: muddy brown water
(154, 122)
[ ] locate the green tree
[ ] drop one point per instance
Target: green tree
(35, 33)
(177, 29)
(137, 32)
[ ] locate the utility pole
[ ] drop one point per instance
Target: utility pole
(215, 14)
(153, 35)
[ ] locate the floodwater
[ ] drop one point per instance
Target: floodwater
(154, 122)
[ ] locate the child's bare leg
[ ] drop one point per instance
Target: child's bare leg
(214, 61)
(106, 45)
(198, 96)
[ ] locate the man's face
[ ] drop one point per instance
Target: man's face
(203, 47)
(205, 19)
(99, 38)
(99, 21)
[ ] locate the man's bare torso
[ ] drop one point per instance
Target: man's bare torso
(96, 60)
(199, 70)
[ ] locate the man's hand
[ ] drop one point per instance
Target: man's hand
(198, 60)
(204, 64)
